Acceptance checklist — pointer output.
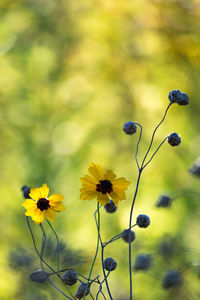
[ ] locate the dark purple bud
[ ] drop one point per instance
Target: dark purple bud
(128, 234)
(110, 264)
(130, 127)
(142, 262)
(172, 278)
(175, 96)
(174, 139)
(143, 221)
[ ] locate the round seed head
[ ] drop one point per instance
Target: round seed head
(110, 207)
(128, 234)
(38, 276)
(110, 264)
(82, 289)
(142, 262)
(143, 221)
(164, 201)
(174, 139)
(130, 127)
(172, 278)
(70, 277)
(175, 96)
(26, 190)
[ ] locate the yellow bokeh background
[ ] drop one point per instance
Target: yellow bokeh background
(71, 74)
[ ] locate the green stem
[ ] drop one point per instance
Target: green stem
(97, 248)
(57, 252)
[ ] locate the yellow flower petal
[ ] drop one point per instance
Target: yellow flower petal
(50, 214)
(55, 198)
(103, 199)
(96, 171)
(88, 180)
(44, 191)
(58, 206)
(38, 217)
(35, 193)
(109, 175)
(29, 204)
(121, 183)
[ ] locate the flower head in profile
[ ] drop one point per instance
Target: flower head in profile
(40, 205)
(104, 186)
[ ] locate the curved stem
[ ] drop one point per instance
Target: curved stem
(154, 153)
(130, 225)
(42, 260)
(137, 147)
(97, 248)
(104, 273)
(152, 138)
(57, 244)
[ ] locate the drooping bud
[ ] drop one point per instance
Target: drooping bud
(110, 264)
(130, 127)
(26, 190)
(143, 221)
(110, 207)
(175, 96)
(70, 277)
(83, 289)
(39, 276)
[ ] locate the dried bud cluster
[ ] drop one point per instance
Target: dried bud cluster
(174, 139)
(83, 289)
(130, 127)
(143, 221)
(38, 276)
(110, 207)
(110, 264)
(175, 96)
(128, 234)
(70, 277)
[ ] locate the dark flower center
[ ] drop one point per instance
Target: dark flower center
(104, 186)
(43, 204)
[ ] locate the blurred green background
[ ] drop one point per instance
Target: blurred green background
(72, 72)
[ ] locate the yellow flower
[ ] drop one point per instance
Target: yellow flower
(41, 205)
(104, 186)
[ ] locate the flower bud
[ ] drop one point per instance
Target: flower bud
(26, 190)
(164, 201)
(110, 264)
(70, 277)
(126, 234)
(83, 289)
(195, 169)
(110, 207)
(174, 139)
(172, 278)
(143, 221)
(39, 276)
(130, 127)
(142, 262)
(175, 96)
